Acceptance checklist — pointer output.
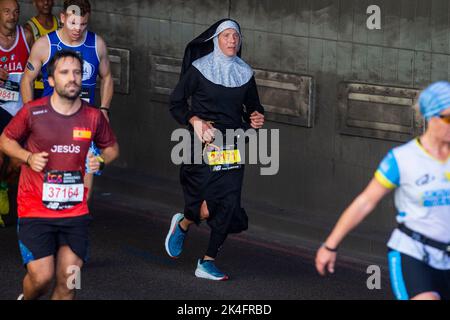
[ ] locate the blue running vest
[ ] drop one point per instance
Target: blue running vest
(88, 51)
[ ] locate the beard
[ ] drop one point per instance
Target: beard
(67, 93)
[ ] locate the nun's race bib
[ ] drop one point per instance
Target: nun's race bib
(223, 159)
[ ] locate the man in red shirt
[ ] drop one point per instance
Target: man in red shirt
(15, 45)
(56, 133)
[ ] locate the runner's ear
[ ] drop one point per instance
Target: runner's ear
(62, 18)
(51, 81)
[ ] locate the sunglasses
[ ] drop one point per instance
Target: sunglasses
(445, 118)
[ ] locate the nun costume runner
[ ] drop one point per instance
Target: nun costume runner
(224, 96)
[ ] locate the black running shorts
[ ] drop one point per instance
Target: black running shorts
(40, 238)
(411, 277)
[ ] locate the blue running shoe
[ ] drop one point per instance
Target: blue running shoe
(175, 237)
(208, 270)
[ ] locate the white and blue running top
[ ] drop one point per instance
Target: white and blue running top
(422, 200)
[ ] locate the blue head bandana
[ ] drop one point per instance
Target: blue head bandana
(220, 69)
(435, 99)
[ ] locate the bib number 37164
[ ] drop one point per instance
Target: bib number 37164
(62, 189)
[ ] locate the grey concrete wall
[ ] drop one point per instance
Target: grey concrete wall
(321, 169)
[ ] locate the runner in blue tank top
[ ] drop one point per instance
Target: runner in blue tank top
(91, 47)
(88, 51)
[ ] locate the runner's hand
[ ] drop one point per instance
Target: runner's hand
(38, 161)
(325, 261)
(3, 76)
(203, 129)
(257, 120)
(105, 113)
(93, 164)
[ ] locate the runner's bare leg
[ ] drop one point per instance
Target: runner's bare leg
(39, 277)
(65, 259)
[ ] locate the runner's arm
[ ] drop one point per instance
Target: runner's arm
(13, 149)
(38, 55)
(26, 26)
(185, 88)
(110, 154)
(252, 101)
(29, 36)
(358, 210)
(36, 161)
(107, 82)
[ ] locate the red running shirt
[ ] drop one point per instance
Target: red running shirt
(66, 139)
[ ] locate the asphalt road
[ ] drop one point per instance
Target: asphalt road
(128, 261)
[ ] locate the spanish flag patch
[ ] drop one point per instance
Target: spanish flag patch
(81, 134)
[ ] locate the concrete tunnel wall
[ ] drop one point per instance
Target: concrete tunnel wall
(332, 141)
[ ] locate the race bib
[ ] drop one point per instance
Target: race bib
(223, 159)
(62, 189)
(10, 92)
